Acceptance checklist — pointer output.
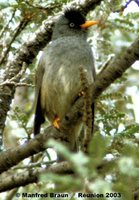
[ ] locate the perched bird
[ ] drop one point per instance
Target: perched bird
(58, 83)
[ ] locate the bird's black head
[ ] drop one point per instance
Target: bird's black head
(74, 17)
(68, 24)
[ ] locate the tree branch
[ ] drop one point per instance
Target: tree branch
(31, 176)
(115, 69)
(13, 156)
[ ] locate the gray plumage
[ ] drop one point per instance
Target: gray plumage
(58, 81)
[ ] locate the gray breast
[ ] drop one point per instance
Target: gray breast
(61, 83)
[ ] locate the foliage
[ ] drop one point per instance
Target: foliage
(112, 160)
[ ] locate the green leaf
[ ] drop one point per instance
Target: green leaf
(97, 149)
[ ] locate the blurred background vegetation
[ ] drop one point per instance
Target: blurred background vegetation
(116, 141)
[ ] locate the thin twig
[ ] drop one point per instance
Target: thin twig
(12, 83)
(7, 25)
(18, 30)
(87, 112)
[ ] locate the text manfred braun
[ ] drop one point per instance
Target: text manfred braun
(62, 195)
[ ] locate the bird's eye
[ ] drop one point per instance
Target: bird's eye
(71, 24)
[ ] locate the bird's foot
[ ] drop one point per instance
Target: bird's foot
(56, 123)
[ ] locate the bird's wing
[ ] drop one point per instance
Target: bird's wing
(39, 117)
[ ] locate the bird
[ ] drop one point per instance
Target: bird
(58, 83)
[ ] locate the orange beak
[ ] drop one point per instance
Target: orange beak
(88, 24)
